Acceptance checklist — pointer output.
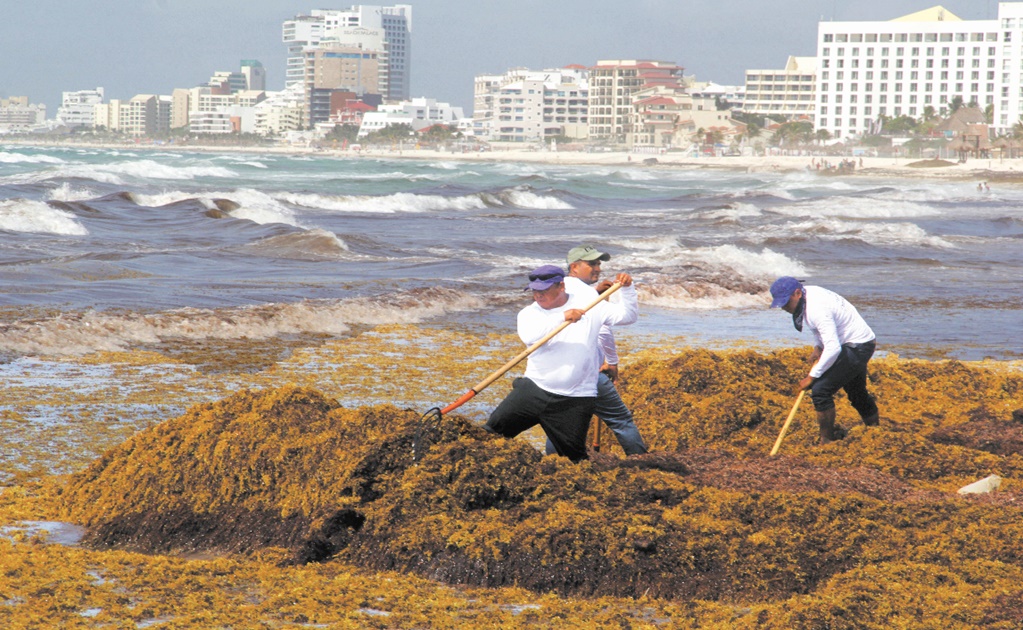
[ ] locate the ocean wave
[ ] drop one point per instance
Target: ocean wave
(315, 244)
(20, 158)
(66, 192)
(387, 204)
(700, 296)
(139, 169)
(854, 207)
(730, 213)
(244, 203)
(869, 232)
(27, 215)
(98, 331)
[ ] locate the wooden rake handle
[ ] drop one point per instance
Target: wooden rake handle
(788, 421)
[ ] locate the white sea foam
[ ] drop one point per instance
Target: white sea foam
(766, 263)
(871, 232)
(67, 192)
(398, 202)
(141, 169)
(92, 331)
(252, 164)
(21, 158)
(529, 199)
(858, 208)
(25, 215)
(702, 296)
(734, 211)
(254, 205)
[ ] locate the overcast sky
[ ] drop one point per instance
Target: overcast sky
(131, 47)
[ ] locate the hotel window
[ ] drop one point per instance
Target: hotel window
(930, 51)
(824, 75)
(990, 87)
(912, 98)
(927, 98)
(838, 111)
(899, 51)
(930, 63)
(884, 75)
(884, 63)
(928, 87)
(855, 52)
(855, 63)
(898, 98)
(866, 111)
(974, 75)
(976, 63)
(868, 99)
(915, 63)
(840, 52)
(946, 37)
(944, 75)
(852, 111)
(898, 63)
(960, 51)
(870, 63)
(869, 88)
(882, 99)
(838, 98)
(842, 37)
(959, 87)
(960, 63)
(839, 75)
(825, 52)
(884, 51)
(959, 75)
(901, 37)
(828, 37)
(973, 88)
(885, 37)
(914, 75)
(838, 122)
(960, 37)
(869, 75)
(943, 88)
(824, 110)
(898, 75)
(870, 37)
(914, 51)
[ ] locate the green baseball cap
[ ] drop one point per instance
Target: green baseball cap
(588, 253)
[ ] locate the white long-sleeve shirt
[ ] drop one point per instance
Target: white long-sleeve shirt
(606, 338)
(569, 363)
(834, 322)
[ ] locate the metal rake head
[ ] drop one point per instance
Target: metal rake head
(427, 424)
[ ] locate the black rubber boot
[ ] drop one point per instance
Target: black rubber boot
(826, 421)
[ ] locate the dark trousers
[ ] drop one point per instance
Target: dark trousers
(848, 372)
(565, 419)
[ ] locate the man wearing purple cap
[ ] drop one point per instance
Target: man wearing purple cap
(559, 388)
(844, 346)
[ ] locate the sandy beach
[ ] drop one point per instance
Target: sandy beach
(988, 169)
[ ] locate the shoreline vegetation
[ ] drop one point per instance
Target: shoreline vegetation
(1008, 170)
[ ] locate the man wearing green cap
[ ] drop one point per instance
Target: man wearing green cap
(583, 272)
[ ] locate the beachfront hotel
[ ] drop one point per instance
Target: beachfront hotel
(789, 91)
(349, 28)
(612, 85)
(916, 65)
(524, 105)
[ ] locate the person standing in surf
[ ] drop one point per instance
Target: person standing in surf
(559, 388)
(844, 345)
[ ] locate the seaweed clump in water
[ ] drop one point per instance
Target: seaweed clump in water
(867, 529)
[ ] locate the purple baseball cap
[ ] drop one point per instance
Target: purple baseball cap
(545, 277)
(782, 290)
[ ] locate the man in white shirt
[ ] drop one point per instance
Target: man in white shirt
(559, 388)
(844, 345)
(583, 272)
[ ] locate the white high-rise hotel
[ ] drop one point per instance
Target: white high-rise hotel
(326, 26)
(903, 66)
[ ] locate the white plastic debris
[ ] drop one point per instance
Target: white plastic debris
(985, 485)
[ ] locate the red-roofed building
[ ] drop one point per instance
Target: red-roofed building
(612, 85)
(668, 117)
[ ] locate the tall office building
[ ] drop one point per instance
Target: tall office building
(923, 60)
(350, 27)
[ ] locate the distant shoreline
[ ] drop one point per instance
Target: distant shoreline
(974, 170)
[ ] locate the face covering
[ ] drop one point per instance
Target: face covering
(797, 315)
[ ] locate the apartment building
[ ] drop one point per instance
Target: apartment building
(16, 113)
(918, 64)
(530, 106)
(342, 68)
(77, 109)
(612, 84)
(790, 92)
(346, 27)
(418, 113)
(669, 117)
